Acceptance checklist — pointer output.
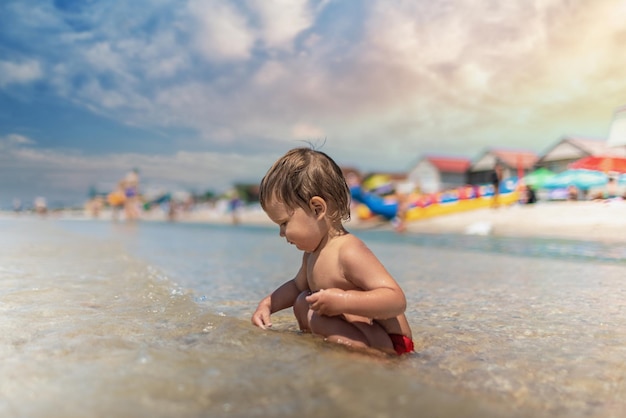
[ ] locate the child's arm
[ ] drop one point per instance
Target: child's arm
(281, 298)
(381, 303)
(378, 295)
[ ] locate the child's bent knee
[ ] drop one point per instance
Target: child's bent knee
(301, 311)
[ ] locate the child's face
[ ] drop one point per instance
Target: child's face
(299, 227)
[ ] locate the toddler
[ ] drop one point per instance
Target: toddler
(341, 291)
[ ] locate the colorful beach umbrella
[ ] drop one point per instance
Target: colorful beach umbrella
(582, 179)
(606, 164)
(537, 178)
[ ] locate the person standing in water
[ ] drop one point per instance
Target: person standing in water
(341, 291)
(131, 192)
(496, 179)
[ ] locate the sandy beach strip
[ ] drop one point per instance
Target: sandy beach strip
(583, 220)
(587, 221)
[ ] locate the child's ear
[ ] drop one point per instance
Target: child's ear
(318, 206)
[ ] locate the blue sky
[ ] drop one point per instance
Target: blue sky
(200, 94)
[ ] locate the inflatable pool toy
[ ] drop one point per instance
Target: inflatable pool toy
(436, 204)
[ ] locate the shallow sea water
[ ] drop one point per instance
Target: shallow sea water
(104, 319)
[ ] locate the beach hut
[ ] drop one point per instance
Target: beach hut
(434, 173)
(570, 149)
(515, 163)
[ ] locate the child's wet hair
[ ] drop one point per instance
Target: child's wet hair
(303, 173)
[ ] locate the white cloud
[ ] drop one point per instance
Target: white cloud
(101, 57)
(282, 20)
(270, 73)
(19, 72)
(306, 131)
(12, 140)
(223, 32)
(104, 98)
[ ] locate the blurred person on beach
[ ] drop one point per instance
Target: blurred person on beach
(131, 192)
(572, 193)
(404, 191)
(341, 291)
(234, 206)
(17, 205)
(496, 179)
(528, 195)
(41, 206)
(611, 189)
(94, 206)
(116, 200)
(172, 210)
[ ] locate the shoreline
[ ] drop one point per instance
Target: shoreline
(603, 221)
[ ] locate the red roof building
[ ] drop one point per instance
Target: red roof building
(434, 173)
(569, 149)
(449, 164)
(515, 163)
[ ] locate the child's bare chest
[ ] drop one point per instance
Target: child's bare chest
(324, 272)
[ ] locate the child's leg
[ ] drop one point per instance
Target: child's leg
(301, 311)
(337, 330)
(325, 326)
(376, 335)
(357, 334)
(353, 332)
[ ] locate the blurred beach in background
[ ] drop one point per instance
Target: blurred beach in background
(601, 220)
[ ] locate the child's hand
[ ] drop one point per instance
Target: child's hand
(329, 302)
(261, 317)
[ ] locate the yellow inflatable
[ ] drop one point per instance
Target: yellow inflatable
(438, 209)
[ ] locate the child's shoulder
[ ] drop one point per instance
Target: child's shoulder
(353, 252)
(349, 243)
